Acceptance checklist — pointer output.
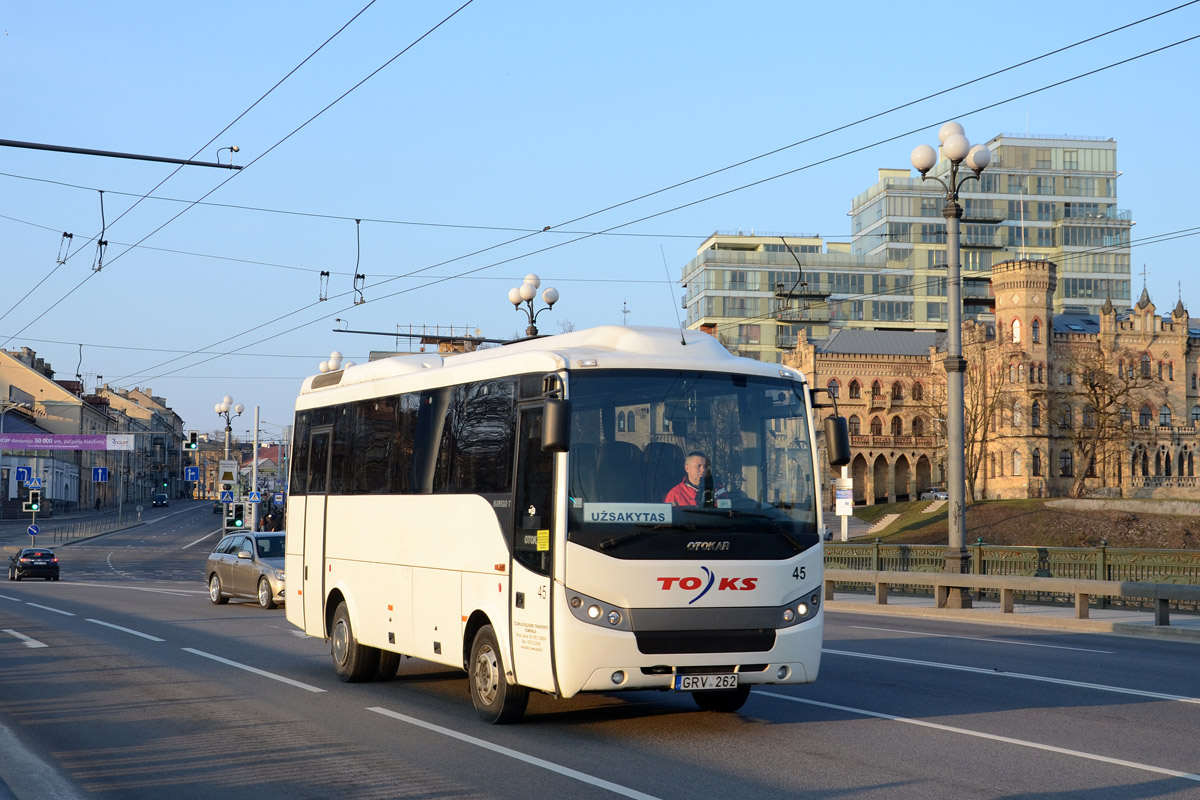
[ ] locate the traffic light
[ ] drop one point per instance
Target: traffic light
(192, 442)
(35, 500)
(164, 483)
(239, 515)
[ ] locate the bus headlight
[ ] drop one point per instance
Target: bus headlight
(593, 611)
(614, 618)
(800, 610)
(597, 612)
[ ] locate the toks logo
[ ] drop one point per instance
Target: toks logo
(693, 582)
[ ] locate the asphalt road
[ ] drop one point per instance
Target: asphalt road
(122, 680)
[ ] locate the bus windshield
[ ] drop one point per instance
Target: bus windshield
(659, 456)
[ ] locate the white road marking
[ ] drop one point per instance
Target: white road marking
(994, 737)
(28, 642)
(176, 592)
(48, 608)
(127, 630)
(255, 670)
(582, 777)
(999, 673)
(984, 639)
(6, 597)
(201, 539)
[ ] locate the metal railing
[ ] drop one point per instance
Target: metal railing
(107, 523)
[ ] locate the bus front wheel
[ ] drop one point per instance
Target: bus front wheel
(352, 661)
(726, 700)
(496, 700)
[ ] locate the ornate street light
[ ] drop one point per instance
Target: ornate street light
(223, 409)
(525, 293)
(958, 150)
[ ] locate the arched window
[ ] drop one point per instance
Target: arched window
(918, 427)
(897, 426)
(1037, 463)
(1066, 464)
(834, 387)
(1195, 415)
(1145, 365)
(1016, 414)
(1089, 417)
(1193, 380)
(918, 392)
(1065, 417)
(1164, 415)
(1040, 374)
(1036, 413)
(855, 390)
(1166, 463)
(1035, 331)
(991, 465)
(1016, 331)
(631, 426)
(1145, 416)
(621, 422)
(1160, 370)
(1170, 370)
(1016, 470)
(1012, 373)
(897, 391)
(1127, 417)
(876, 389)
(854, 425)
(876, 426)
(1020, 373)
(1121, 370)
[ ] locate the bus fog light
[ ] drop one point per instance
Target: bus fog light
(614, 618)
(576, 602)
(782, 673)
(802, 609)
(594, 612)
(618, 677)
(788, 615)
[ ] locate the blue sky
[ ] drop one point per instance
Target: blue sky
(509, 117)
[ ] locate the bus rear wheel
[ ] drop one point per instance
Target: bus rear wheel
(726, 701)
(496, 700)
(352, 661)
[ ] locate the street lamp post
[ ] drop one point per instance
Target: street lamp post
(958, 150)
(525, 294)
(223, 409)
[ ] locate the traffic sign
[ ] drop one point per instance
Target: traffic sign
(227, 469)
(33, 530)
(33, 483)
(99, 474)
(226, 497)
(255, 497)
(191, 474)
(279, 498)
(24, 474)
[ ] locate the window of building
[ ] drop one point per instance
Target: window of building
(1145, 416)
(918, 393)
(631, 423)
(1016, 331)
(876, 426)
(1193, 380)
(1070, 159)
(1016, 462)
(991, 465)
(621, 422)
(1066, 464)
(1065, 418)
(1016, 414)
(854, 424)
(1124, 416)
(1035, 331)
(897, 426)
(1037, 463)
(1171, 370)
(855, 390)
(1145, 366)
(897, 391)
(918, 426)
(1164, 416)
(1036, 414)
(876, 389)
(1195, 415)
(1089, 417)
(834, 387)
(1039, 380)
(1160, 370)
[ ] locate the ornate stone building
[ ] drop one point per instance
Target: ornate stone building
(1088, 404)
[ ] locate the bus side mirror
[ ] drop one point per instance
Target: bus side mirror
(556, 425)
(837, 441)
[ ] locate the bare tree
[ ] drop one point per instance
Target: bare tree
(1104, 388)
(565, 326)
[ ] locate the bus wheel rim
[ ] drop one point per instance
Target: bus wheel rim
(487, 675)
(341, 642)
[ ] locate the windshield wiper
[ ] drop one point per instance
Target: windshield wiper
(734, 513)
(619, 540)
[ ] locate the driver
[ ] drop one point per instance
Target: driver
(697, 488)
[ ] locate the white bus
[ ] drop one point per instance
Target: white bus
(505, 512)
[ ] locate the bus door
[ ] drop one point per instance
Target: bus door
(315, 503)
(533, 556)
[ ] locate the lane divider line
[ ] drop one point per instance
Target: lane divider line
(998, 673)
(28, 641)
(255, 670)
(582, 777)
(127, 630)
(991, 736)
(987, 639)
(48, 608)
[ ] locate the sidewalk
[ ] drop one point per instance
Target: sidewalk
(1125, 622)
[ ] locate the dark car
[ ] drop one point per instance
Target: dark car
(247, 565)
(160, 499)
(33, 562)
(218, 506)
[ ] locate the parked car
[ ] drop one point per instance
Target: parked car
(160, 499)
(247, 565)
(218, 506)
(934, 494)
(33, 562)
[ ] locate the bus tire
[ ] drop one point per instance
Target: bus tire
(352, 661)
(389, 662)
(725, 701)
(496, 700)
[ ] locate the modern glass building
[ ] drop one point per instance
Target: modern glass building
(1042, 198)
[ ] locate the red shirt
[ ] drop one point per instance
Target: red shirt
(684, 494)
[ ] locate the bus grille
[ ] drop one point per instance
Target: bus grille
(662, 642)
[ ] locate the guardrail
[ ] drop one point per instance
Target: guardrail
(93, 527)
(1158, 594)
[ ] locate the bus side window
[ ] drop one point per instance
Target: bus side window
(534, 507)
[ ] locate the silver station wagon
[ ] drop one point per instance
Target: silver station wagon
(247, 565)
